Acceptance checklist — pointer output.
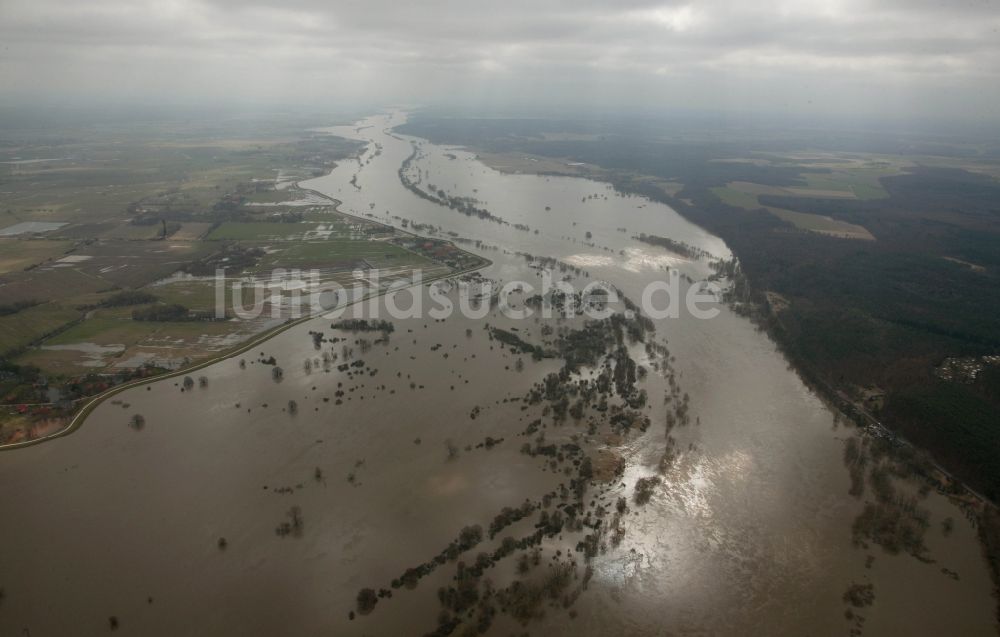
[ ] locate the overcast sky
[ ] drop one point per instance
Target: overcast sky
(862, 57)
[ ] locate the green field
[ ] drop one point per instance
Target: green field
(21, 329)
(317, 253)
(737, 198)
(239, 231)
(102, 331)
(862, 181)
(133, 232)
(17, 254)
(819, 223)
(742, 197)
(194, 295)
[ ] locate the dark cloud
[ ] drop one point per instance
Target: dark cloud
(939, 56)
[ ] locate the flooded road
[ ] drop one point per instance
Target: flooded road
(750, 531)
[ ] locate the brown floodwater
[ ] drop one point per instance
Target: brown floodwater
(750, 533)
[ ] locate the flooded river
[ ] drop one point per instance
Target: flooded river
(750, 532)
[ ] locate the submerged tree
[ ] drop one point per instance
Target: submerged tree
(644, 488)
(367, 598)
(137, 422)
(293, 526)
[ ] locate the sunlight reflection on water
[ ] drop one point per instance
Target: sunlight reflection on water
(634, 260)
